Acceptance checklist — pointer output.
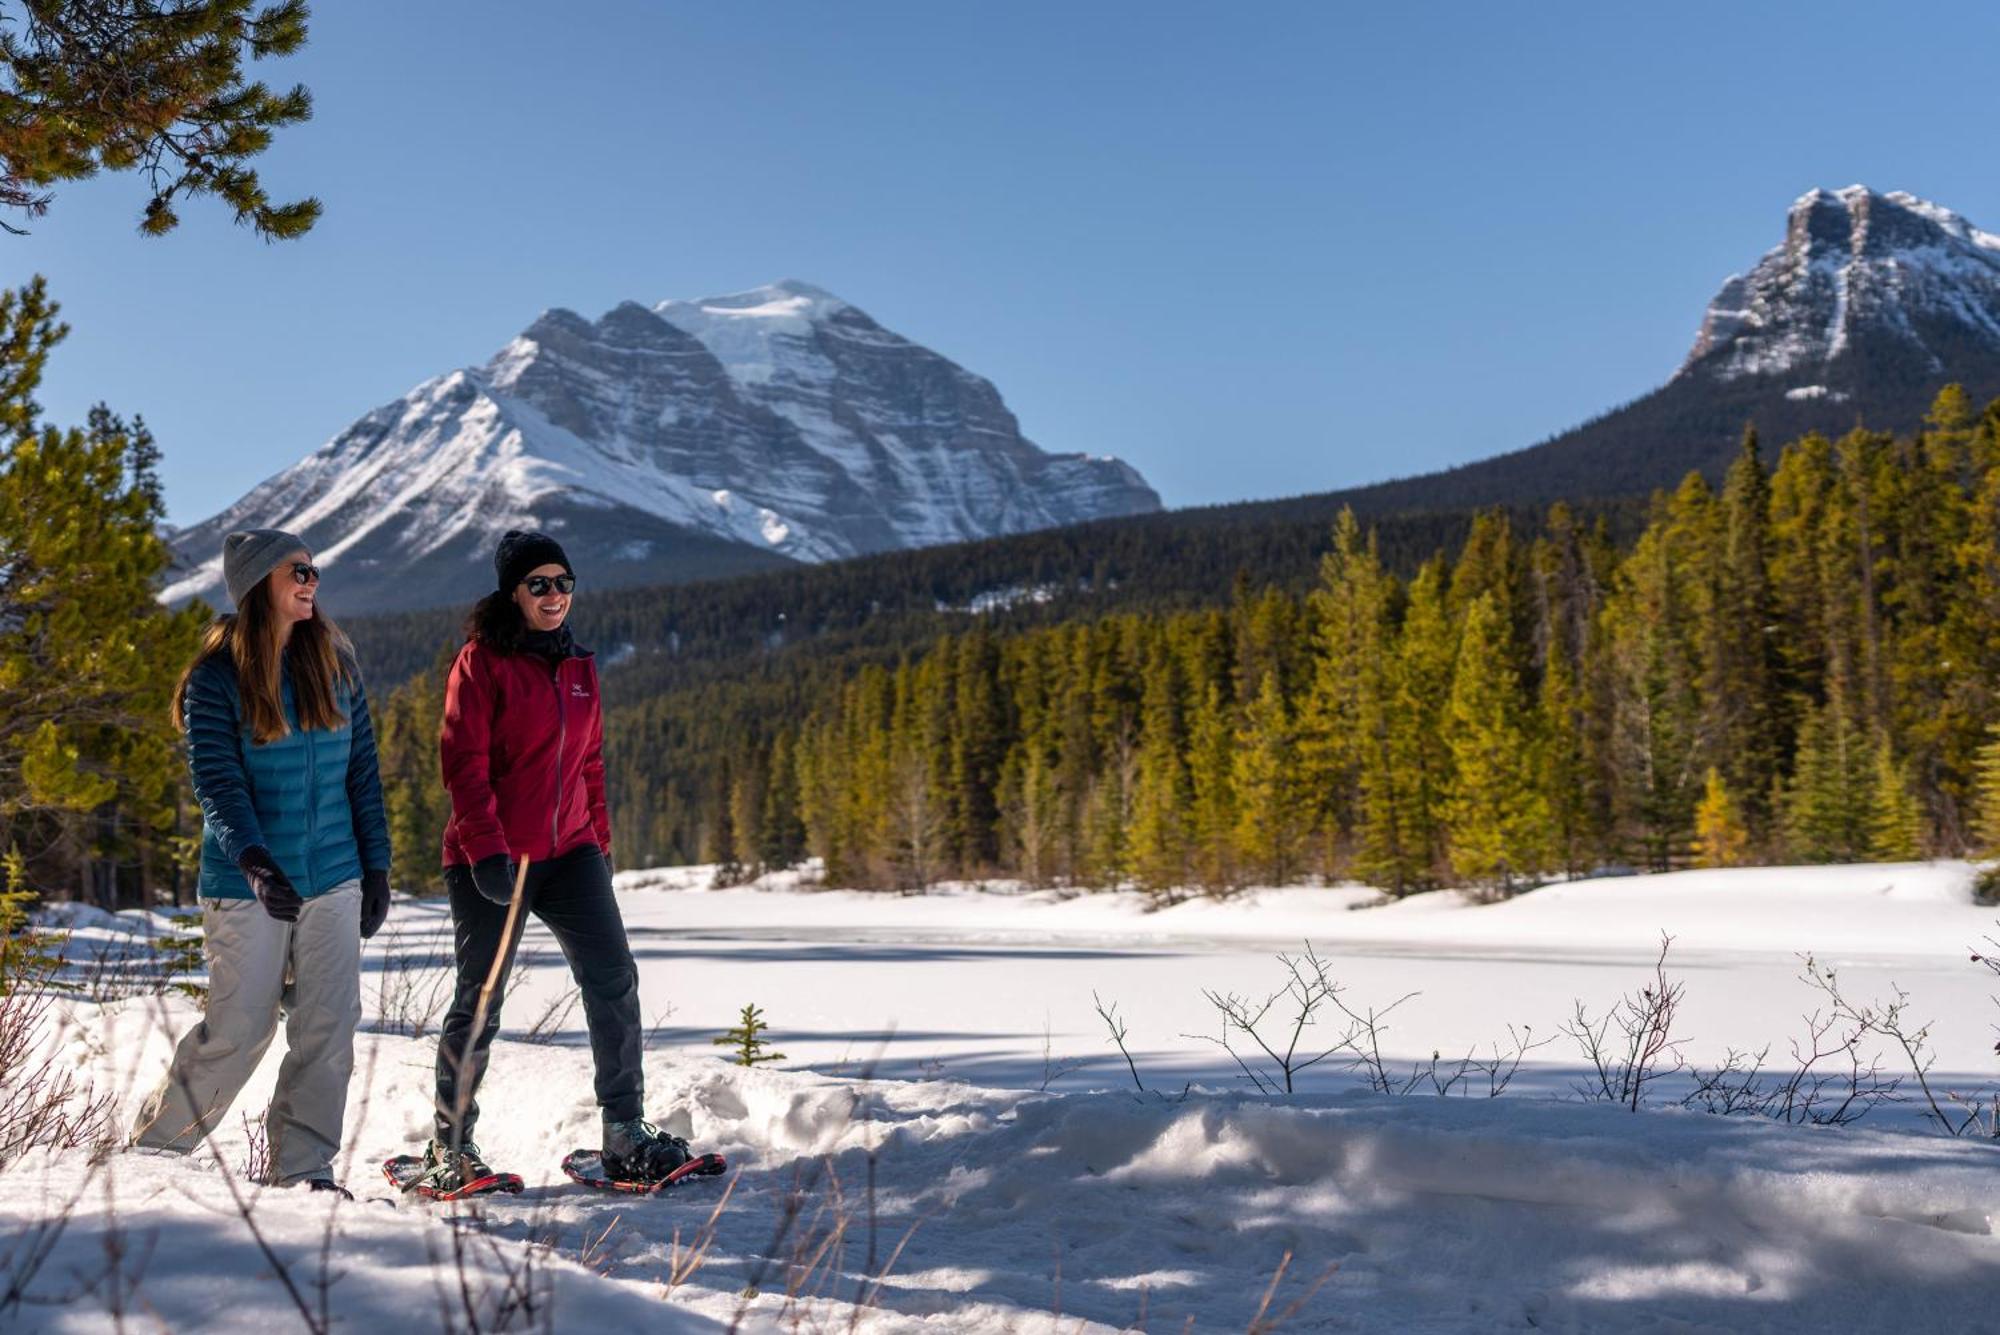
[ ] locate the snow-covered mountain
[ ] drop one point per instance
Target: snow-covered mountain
(686, 439)
(1872, 302)
(1861, 279)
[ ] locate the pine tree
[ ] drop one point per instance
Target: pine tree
(1745, 713)
(1211, 747)
(1414, 769)
(1162, 792)
(413, 792)
(1566, 599)
(781, 838)
(1653, 701)
(1349, 669)
(747, 1039)
(746, 816)
(88, 767)
(1896, 832)
(153, 86)
(1988, 791)
(978, 744)
(1833, 783)
(1268, 819)
(1720, 839)
(1496, 821)
(916, 813)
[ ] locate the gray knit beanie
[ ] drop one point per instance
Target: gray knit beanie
(250, 555)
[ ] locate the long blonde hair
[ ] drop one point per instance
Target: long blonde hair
(320, 656)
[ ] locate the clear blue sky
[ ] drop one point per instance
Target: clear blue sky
(1256, 250)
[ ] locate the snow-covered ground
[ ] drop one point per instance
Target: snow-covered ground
(948, 1050)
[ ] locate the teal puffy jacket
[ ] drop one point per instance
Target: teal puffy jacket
(313, 798)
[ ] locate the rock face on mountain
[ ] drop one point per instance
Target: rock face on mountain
(685, 440)
(1870, 305)
(1867, 291)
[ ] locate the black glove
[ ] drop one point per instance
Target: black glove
(269, 883)
(374, 901)
(494, 878)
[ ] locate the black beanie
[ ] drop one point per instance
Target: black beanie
(520, 552)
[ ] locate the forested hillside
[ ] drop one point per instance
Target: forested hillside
(1800, 663)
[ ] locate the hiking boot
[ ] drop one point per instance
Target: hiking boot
(638, 1151)
(446, 1172)
(328, 1184)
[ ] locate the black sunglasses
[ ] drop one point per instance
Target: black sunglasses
(304, 572)
(541, 584)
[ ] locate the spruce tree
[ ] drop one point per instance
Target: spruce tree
(1349, 667)
(1496, 820)
(1566, 599)
(1416, 765)
(1987, 791)
(1746, 713)
(1211, 776)
(1163, 794)
(1895, 827)
(1269, 823)
(413, 792)
(781, 838)
(1653, 696)
(978, 744)
(1833, 784)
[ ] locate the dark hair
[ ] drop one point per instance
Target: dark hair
(496, 622)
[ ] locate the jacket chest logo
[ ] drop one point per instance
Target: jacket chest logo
(577, 692)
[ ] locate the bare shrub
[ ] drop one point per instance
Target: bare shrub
(1262, 1322)
(547, 1026)
(1829, 1084)
(1955, 1112)
(1471, 1075)
(1052, 1069)
(256, 1166)
(413, 986)
(44, 1102)
(1109, 1014)
(1309, 988)
(483, 1287)
(1643, 1049)
(684, 1260)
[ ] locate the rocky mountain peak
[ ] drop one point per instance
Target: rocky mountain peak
(667, 442)
(1914, 279)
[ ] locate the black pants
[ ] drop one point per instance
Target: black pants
(572, 895)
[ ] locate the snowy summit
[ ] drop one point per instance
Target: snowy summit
(666, 442)
(1855, 263)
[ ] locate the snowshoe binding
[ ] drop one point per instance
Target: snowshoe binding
(439, 1174)
(639, 1157)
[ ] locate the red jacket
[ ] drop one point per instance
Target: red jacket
(523, 752)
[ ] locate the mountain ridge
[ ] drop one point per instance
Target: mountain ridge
(631, 437)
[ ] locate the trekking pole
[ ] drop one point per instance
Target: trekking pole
(502, 960)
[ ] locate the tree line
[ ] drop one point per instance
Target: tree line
(1797, 664)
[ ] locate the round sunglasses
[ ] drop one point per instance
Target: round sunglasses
(304, 572)
(539, 585)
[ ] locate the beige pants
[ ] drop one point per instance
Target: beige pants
(258, 967)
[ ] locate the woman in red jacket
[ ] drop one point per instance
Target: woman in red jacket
(522, 750)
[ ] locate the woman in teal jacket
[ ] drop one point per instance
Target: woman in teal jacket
(294, 861)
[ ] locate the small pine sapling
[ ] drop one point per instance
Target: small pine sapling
(29, 958)
(180, 955)
(747, 1038)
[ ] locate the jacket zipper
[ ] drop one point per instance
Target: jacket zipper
(562, 734)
